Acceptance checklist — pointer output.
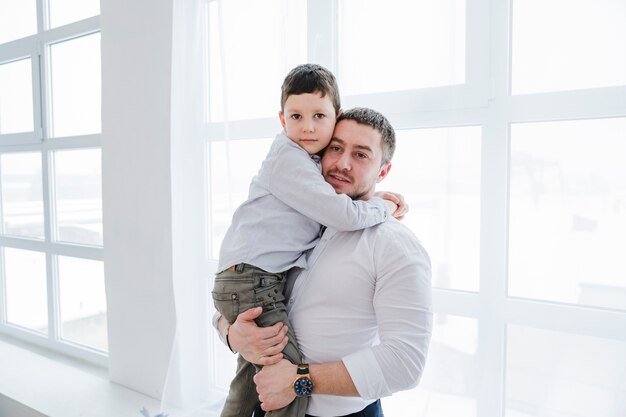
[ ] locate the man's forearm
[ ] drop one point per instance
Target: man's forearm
(332, 379)
(275, 382)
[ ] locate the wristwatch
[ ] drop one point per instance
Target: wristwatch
(303, 385)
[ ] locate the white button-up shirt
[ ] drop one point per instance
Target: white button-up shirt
(287, 202)
(365, 299)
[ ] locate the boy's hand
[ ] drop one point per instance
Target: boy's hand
(398, 199)
(258, 345)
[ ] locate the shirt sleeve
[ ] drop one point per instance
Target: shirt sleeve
(296, 181)
(403, 307)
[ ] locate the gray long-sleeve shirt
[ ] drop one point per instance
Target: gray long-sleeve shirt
(287, 201)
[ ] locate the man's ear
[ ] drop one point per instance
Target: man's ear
(384, 170)
(281, 116)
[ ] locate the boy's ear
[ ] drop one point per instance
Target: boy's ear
(281, 116)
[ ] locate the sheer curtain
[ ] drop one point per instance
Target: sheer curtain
(186, 388)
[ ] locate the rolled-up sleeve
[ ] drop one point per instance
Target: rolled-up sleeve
(403, 307)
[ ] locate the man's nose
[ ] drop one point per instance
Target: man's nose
(343, 162)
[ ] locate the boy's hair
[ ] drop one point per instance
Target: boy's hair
(310, 78)
(377, 121)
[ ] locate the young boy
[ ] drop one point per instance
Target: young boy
(270, 232)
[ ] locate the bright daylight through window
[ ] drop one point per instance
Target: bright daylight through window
(51, 270)
(510, 149)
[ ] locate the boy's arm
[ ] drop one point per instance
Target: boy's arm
(296, 181)
(401, 207)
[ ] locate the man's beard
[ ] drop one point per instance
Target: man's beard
(355, 194)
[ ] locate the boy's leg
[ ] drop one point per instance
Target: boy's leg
(237, 291)
(242, 397)
(234, 293)
(273, 313)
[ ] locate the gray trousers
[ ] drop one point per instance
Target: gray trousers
(235, 292)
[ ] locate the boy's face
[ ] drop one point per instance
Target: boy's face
(309, 120)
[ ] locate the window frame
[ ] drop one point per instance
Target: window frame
(485, 100)
(37, 47)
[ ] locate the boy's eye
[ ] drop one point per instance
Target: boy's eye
(295, 116)
(319, 115)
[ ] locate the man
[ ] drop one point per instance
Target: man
(361, 311)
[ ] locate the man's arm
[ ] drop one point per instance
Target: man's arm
(403, 309)
(274, 383)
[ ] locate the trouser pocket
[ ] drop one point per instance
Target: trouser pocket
(227, 303)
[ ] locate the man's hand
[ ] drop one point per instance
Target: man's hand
(274, 385)
(398, 200)
(258, 345)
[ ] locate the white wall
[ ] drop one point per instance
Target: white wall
(152, 163)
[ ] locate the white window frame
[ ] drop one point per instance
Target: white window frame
(37, 47)
(485, 100)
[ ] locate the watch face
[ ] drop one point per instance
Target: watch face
(303, 387)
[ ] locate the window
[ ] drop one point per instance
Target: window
(51, 271)
(510, 129)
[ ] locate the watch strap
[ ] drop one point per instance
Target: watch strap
(303, 369)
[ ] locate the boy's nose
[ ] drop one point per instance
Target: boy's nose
(308, 126)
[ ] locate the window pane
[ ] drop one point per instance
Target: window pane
(63, 12)
(83, 302)
(78, 196)
(438, 171)
(448, 386)
(76, 86)
(567, 223)
(552, 374)
(415, 44)
(262, 41)
(22, 194)
(18, 19)
(244, 157)
(26, 288)
(566, 45)
(16, 99)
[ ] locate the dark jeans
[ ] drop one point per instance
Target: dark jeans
(372, 410)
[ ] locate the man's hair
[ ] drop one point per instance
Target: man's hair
(310, 78)
(379, 123)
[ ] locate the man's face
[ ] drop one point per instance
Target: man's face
(352, 161)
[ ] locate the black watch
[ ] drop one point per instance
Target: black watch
(303, 385)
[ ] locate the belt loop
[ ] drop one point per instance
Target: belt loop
(239, 268)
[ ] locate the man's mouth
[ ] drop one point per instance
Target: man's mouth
(340, 178)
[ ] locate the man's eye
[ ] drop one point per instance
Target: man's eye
(361, 155)
(334, 148)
